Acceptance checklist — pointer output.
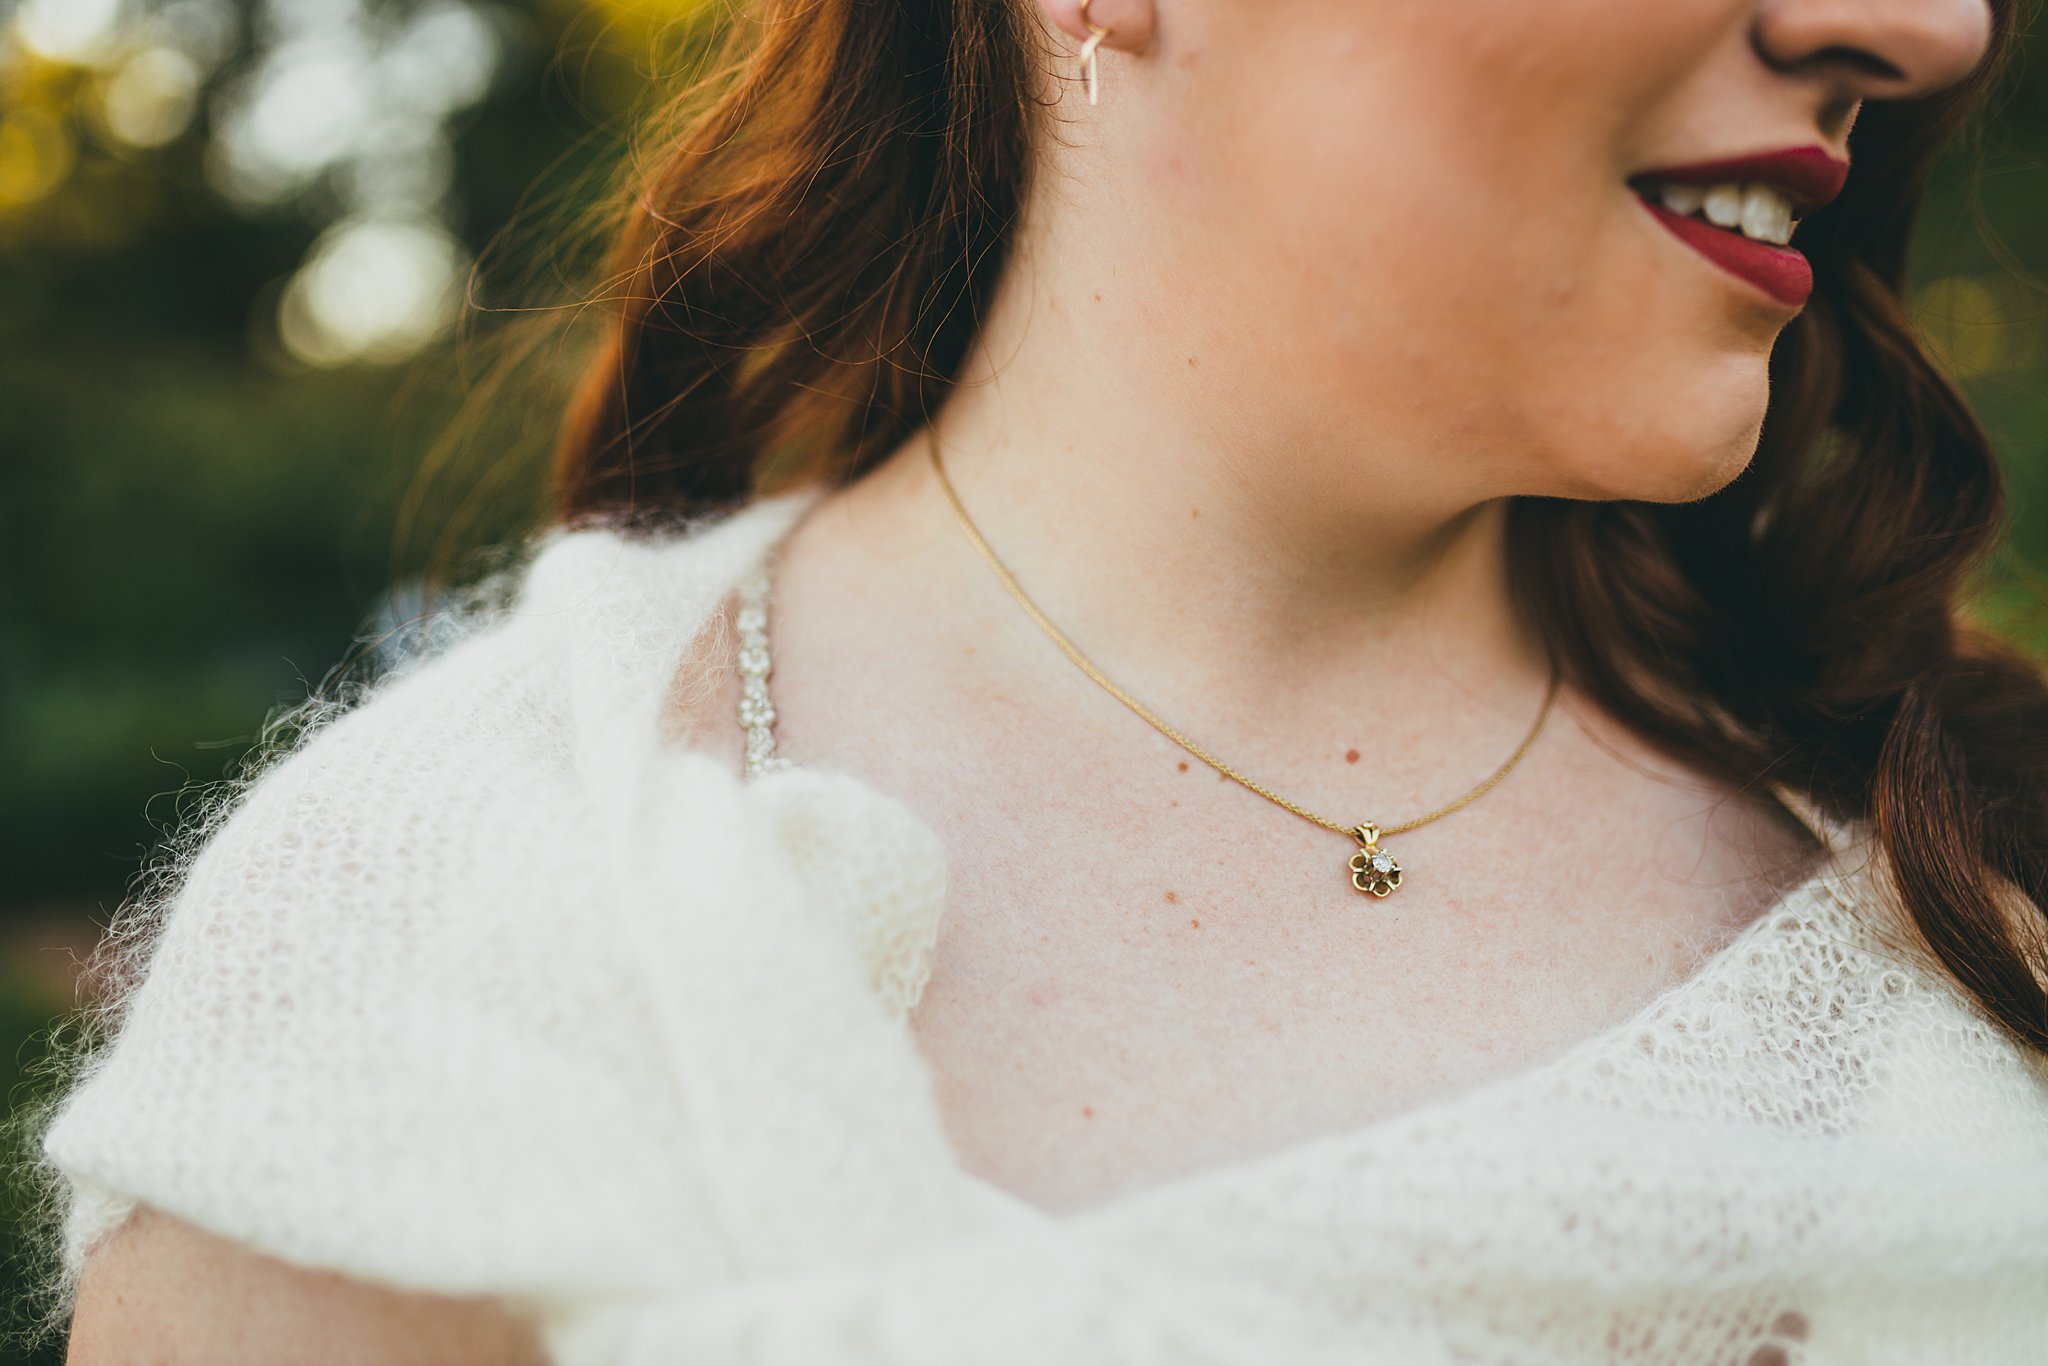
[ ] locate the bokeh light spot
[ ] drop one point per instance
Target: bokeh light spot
(68, 30)
(151, 97)
(371, 291)
(36, 154)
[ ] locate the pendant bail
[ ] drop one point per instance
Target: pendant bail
(1367, 833)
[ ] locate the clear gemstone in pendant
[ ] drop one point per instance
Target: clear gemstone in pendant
(1374, 870)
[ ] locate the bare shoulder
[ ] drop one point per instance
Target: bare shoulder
(164, 1290)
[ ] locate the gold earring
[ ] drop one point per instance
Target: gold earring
(1096, 34)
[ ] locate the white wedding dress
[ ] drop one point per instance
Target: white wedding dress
(484, 988)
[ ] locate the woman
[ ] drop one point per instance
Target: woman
(1533, 864)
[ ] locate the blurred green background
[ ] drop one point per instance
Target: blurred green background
(252, 253)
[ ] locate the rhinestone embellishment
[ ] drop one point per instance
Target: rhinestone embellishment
(757, 713)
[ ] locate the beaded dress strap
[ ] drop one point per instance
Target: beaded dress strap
(757, 712)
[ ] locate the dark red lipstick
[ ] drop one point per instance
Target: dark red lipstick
(1808, 177)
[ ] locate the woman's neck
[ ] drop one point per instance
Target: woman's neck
(1213, 551)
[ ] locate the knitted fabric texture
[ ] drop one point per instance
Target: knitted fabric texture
(486, 987)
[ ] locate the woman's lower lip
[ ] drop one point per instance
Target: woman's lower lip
(1781, 272)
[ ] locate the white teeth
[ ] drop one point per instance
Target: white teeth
(1682, 199)
(1766, 215)
(1756, 211)
(1723, 205)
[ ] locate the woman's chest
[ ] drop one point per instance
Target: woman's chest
(1140, 1007)
(1144, 970)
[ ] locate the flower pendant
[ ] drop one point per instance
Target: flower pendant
(1372, 868)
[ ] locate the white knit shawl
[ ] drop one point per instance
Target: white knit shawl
(486, 988)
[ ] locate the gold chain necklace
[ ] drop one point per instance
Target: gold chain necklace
(1373, 869)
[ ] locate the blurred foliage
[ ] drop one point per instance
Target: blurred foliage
(196, 519)
(195, 522)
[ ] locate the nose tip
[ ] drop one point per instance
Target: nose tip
(1878, 49)
(1941, 43)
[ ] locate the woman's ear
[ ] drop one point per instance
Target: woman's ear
(1129, 22)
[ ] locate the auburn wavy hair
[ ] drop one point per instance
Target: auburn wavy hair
(814, 223)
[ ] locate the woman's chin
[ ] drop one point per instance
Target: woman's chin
(1703, 480)
(1669, 476)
